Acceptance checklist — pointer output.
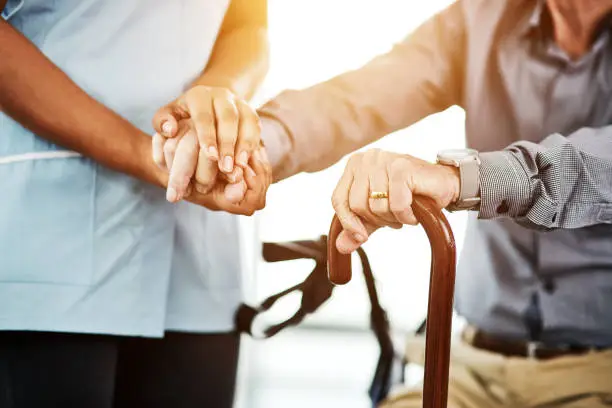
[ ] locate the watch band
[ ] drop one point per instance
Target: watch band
(469, 191)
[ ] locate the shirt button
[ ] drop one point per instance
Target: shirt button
(503, 207)
(549, 286)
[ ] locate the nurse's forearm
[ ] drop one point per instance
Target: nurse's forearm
(239, 61)
(38, 95)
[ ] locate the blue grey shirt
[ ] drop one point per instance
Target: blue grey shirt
(540, 247)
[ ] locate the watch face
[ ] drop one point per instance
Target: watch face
(457, 154)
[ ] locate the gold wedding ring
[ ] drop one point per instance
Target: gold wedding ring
(379, 194)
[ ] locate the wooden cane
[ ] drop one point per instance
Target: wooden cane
(441, 290)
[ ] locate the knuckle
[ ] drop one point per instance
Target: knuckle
(345, 220)
(337, 202)
(158, 154)
(396, 207)
(227, 146)
(245, 108)
(203, 187)
(371, 155)
(379, 211)
(248, 144)
(256, 121)
(169, 148)
(158, 159)
(206, 181)
(228, 114)
(360, 209)
(190, 135)
(174, 183)
(204, 118)
(397, 167)
(410, 218)
(394, 165)
(198, 90)
(224, 92)
(251, 127)
(353, 161)
(219, 92)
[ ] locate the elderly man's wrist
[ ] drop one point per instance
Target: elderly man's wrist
(454, 183)
(276, 141)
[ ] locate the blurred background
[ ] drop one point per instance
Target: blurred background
(329, 360)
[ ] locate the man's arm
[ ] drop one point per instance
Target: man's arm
(37, 94)
(309, 130)
(239, 61)
(563, 182)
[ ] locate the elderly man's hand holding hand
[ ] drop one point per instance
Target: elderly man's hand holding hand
(376, 190)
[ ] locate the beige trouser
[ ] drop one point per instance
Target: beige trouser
(480, 379)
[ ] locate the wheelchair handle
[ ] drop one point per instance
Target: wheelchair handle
(441, 291)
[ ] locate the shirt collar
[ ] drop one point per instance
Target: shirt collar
(539, 15)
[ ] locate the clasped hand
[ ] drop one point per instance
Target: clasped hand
(209, 141)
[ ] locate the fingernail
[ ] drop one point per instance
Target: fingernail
(213, 153)
(171, 195)
(167, 128)
(243, 158)
(359, 238)
(228, 164)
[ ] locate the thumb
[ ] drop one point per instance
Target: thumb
(347, 244)
(165, 121)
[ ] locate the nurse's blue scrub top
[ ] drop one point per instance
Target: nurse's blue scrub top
(89, 250)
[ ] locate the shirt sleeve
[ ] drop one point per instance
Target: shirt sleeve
(12, 7)
(563, 182)
(421, 75)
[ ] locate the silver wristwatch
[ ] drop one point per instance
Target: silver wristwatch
(468, 162)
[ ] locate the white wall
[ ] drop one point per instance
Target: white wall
(311, 41)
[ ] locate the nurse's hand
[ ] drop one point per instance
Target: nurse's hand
(227, 128)
(376, 190)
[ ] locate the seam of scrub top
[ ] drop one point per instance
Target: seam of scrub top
(38, 156)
